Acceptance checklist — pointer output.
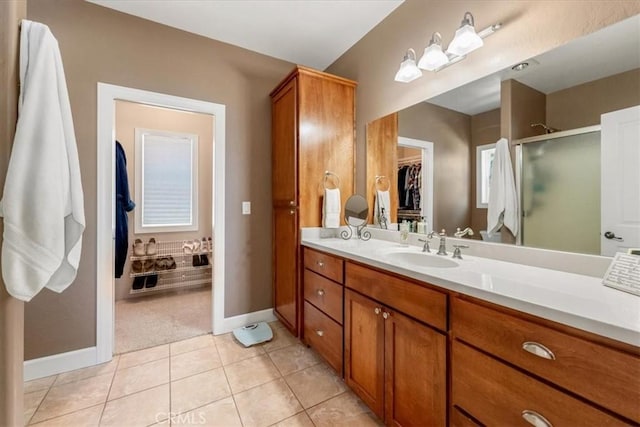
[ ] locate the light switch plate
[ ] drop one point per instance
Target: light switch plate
(246, 208)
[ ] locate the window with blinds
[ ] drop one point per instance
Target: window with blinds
(166, 181)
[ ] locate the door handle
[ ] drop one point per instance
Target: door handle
(612, 236)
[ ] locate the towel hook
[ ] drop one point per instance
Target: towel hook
(379, 180)
(336, 180)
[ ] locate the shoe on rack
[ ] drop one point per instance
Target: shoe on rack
(138, 282)
(152, 248)
(149, 265)
(204, 259)
(138, 248)
(170, 263)
(187, 247)
(151, 281)
(210, 245)
(137, 267)
(161, 264)
(196, 246)
(196, 261)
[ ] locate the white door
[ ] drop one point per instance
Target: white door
(620, 181)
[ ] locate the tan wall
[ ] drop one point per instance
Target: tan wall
(130, 116)
(530, 28)
(102, 45)
(582, 105)
(485, 129)
(450, 133)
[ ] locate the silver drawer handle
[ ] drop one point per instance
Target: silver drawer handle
(538, 349)
(535, 419)
(385, 315)
(320, 333)
(320, 264)
(377, 310)
(320, 292)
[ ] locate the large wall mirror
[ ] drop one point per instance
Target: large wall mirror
(565, 113)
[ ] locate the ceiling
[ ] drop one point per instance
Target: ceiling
(307, 32)
(611, 50)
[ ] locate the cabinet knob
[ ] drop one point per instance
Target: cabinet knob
(377, 310)
(320, 292)
(320, 264)
(385, 315)
(292, 202)
(320, 333)
(535, 419)
(292, 212)
(538, 349)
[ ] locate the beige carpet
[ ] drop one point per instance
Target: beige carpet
(163, 318)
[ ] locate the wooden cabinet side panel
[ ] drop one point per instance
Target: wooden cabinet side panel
(364, 350)
(284, 125)
(285, 266)
(326, 142)
(382, 160)
(415, 373)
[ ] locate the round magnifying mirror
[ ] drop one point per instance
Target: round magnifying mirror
(356, 211)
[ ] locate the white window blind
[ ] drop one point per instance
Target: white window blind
(166, 181)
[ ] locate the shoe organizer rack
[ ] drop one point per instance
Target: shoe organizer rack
(176, 267)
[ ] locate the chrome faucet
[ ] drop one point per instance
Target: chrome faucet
(463, 233)
(425, 247)
(442, 249)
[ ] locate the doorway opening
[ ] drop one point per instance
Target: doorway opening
(415, 181)
(173, 163)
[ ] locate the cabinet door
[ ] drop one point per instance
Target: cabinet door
(415, 373)
(285, 261)
(364, 350)
(284, 124)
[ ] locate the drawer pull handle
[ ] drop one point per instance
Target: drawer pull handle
(292, 202)
(320, 333)
(538, 349)
(320, 264)
(385, 315)
(535, 419)
(292, 212)
(377, 310)
(320, 292)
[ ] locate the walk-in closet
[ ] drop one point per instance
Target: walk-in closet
(164, 235)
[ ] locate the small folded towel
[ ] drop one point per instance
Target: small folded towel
(503, 200)
(331, 208)
(383, 201)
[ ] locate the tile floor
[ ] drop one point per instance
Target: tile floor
(205, 381)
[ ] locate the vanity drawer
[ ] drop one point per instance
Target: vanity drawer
(608, 377)
(324, 264)
(324, 294)
(410, 298)
(495, 394)
(324, 335)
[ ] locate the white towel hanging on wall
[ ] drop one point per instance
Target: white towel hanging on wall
(331, 208)
(503, 200)
(42, 203)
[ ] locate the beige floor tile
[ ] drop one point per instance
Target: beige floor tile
(251, 372)
(194, 362)
(232, 351)
(138, 378)
(281, 338)
(147, 355)
(315, 384)
(39, 384)
(294, 358)
(31, 402)
(222, 413)
(299, 420)
(276, 324)
(191, 344)
(89, 417)
(198, 390)
(343, 410)
(138, 409)
(66, 398)
(267, 404)
(91, 371)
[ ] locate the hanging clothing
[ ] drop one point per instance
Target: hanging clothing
(43, 202)
(402, 177)
(124, 204)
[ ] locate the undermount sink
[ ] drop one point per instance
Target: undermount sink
(420, 259)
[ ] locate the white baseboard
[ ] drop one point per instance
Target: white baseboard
(58, 363)
(231, 323)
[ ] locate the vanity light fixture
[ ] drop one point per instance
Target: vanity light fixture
(408, 71)
(435, 59)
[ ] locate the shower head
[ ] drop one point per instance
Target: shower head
(546, 128)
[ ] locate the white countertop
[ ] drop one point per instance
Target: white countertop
(572, 299)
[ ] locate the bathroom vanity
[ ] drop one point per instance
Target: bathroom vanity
(476, 342)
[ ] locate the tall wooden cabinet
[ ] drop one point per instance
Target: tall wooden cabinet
(313, 131)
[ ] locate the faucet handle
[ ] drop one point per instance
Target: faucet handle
(443, 232)
(425, 247)
(457, 253)
(460, 233)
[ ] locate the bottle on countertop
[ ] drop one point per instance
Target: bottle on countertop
(422, 226)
